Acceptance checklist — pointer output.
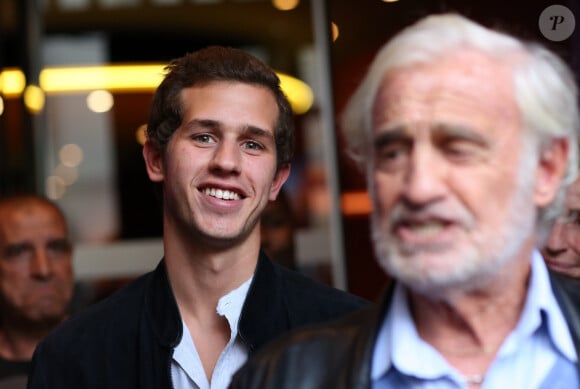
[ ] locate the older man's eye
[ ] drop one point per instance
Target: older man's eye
(574, 216)
(16, 250)
(392, 156)
(570, 217)
(59, 246)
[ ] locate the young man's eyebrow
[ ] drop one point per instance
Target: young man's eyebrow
(202, 123)
(214, 124)
(257, 131)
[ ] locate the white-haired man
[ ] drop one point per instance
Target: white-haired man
(471, 138)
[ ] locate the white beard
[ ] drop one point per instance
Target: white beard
(466, 264)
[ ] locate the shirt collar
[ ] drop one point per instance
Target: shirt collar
(230, 305)
(398, 331)
(542, 304)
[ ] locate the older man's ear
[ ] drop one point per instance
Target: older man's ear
(550, 171)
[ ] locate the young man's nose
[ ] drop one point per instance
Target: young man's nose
(226, 157)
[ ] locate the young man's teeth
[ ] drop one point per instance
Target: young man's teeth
(426, 228)
(222, 194)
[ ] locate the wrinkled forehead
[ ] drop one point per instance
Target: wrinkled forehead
(467, 82)
(30, 219)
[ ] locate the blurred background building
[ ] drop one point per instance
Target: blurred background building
(77, 77)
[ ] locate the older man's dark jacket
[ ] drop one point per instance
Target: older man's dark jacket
(127, 340)
(338, 355)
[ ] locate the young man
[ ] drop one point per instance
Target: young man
(219, 143)
(471, 140)
(36, 280)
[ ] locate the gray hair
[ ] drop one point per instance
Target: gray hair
(544, 87)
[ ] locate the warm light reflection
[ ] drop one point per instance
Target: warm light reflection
(334, 30)
(356, 203)
(12, 82)
(54, 187)
(68, 174)
(112, 78)
(71, 155)
(1, 105)
(390, 1)
(298, 92)
(285, 5)
(140, 134)
(34, 99)
(100, 101)
(126, 78)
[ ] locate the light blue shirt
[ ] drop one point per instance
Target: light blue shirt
(538, 353)
(186, 367)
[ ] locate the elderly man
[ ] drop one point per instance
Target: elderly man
(471, 139)
(562, 250)
(36, 280)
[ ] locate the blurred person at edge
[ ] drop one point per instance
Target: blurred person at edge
(277, 231)
(219, 143)
(468, 137)
(562, 250)
(36, 280)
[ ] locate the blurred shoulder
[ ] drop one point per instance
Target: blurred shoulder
(304, 288)
(321, 355)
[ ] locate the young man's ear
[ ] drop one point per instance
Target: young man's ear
(279, 180)
(551, 169)
(153, 162)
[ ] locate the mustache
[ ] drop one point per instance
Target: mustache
(404, 214)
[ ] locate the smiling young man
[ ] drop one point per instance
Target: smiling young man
(219, 145)
(468, 138)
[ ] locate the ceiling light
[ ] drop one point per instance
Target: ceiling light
(126, 78)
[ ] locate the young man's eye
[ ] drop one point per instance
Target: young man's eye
(251, 145)
(203, 138)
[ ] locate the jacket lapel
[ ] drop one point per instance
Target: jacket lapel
(567, 293)
(264, 314)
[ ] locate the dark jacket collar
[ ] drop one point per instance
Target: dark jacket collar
(263, 317)
(567, 293)
(161, 308)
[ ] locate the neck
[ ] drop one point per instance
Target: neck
(200, 277)
(17, 344)
(468, 328)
